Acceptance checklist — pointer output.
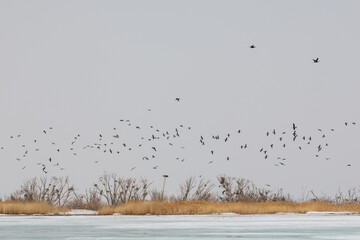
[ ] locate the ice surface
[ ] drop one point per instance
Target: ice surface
(224, 226)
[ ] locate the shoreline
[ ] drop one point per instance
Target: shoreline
(91, 213)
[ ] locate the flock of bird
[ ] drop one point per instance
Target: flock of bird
(156, 139)
(114, 144)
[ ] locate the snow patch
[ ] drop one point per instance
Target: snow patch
(330, 213)
(79, 212)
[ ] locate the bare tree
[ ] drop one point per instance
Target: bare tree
(193, 190)
(156, 195)
(91, 200)
(351, 196)
(186, 188)
(117, 190)
(63, 191)
(229, 190)
(243, 190)
(57, 191)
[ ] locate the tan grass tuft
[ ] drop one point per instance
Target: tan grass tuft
(14, 207)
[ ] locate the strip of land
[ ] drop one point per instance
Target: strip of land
(180, 208)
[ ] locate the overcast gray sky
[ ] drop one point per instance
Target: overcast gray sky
(81, 66)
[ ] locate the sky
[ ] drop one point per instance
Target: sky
(79, 67)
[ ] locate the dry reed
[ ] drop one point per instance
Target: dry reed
(27, 208)
(195, 207)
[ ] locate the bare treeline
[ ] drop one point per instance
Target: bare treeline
(56, 191)
(243, 190)
(112, 190)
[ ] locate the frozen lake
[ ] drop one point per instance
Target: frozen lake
(231, 226)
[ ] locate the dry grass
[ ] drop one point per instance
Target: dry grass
(14, 207)
(188, 208)
(185, 208)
